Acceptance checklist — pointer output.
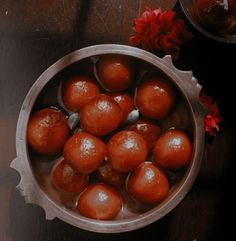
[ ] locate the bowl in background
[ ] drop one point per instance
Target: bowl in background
(187, 7)
(35, 183)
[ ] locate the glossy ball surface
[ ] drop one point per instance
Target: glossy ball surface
(78, 91)
(115, 72)
(47, 131)
(84, 152)
(155, 98)
(101, 115)
(125, 102)
(67, 179)
(99, 201)
(172, 150)
(106, 173)
(149, 131)
(126, 150)
(148, 184)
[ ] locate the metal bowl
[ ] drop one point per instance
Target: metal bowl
(35, 184)
(187, 9)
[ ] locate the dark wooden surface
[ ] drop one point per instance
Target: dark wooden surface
(34, 34)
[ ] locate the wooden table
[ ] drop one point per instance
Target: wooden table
(34, 34)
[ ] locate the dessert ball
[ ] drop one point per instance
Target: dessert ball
(67, 179)
(148, 184)
(99, 201)
(47, 131)
(155, 98)
(172, 150)
(125, 102)
(115, 72)
(106, 173)
(149, 131)
(101, 115)
(84, 152)
(126, 150)
(77, 91)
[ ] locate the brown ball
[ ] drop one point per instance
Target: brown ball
(149, 131)
(99, 201)
(126, 150)
(67, 179)
(148, 184)
(101, 115)
(172, 150)
(155, 98)
(78, 91)
(84, 152)
(125, 102)
(47, 131)
(115, 72)
(106, 173)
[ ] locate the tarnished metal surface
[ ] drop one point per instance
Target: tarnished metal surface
(29, 186)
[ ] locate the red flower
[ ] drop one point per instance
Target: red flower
(213, 119)
(155, 29)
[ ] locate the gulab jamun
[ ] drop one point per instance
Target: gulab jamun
(84, 152)
(101, 115)
(47, 131)
(67, 179)
(148, 184)
(77, 91)
(126, 150)
(172, 150)
(155, 98)
(99, 201)
(115, 72)
(106, 173)
(149, 131)
(125, 102)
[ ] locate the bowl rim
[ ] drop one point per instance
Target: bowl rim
(29, 186)
(230, 39)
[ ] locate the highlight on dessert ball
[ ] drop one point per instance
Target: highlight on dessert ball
(99, 201)
(125, 102)
(107, 174)
(172, 150)
(115, 72)
(67, 179)
(106, 160)
(126, 150)
(84, 152)
(148, 129)
(148, 184)
(47, 131)
(155, 98)
(77, 91)
(101, 115)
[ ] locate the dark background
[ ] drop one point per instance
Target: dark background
(33, 35)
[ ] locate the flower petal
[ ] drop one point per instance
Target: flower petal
(157, 29)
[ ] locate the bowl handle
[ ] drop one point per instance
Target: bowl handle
(190, 81)
(29, 190)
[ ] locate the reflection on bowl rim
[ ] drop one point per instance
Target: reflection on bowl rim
(33, 193)
(231, 39)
